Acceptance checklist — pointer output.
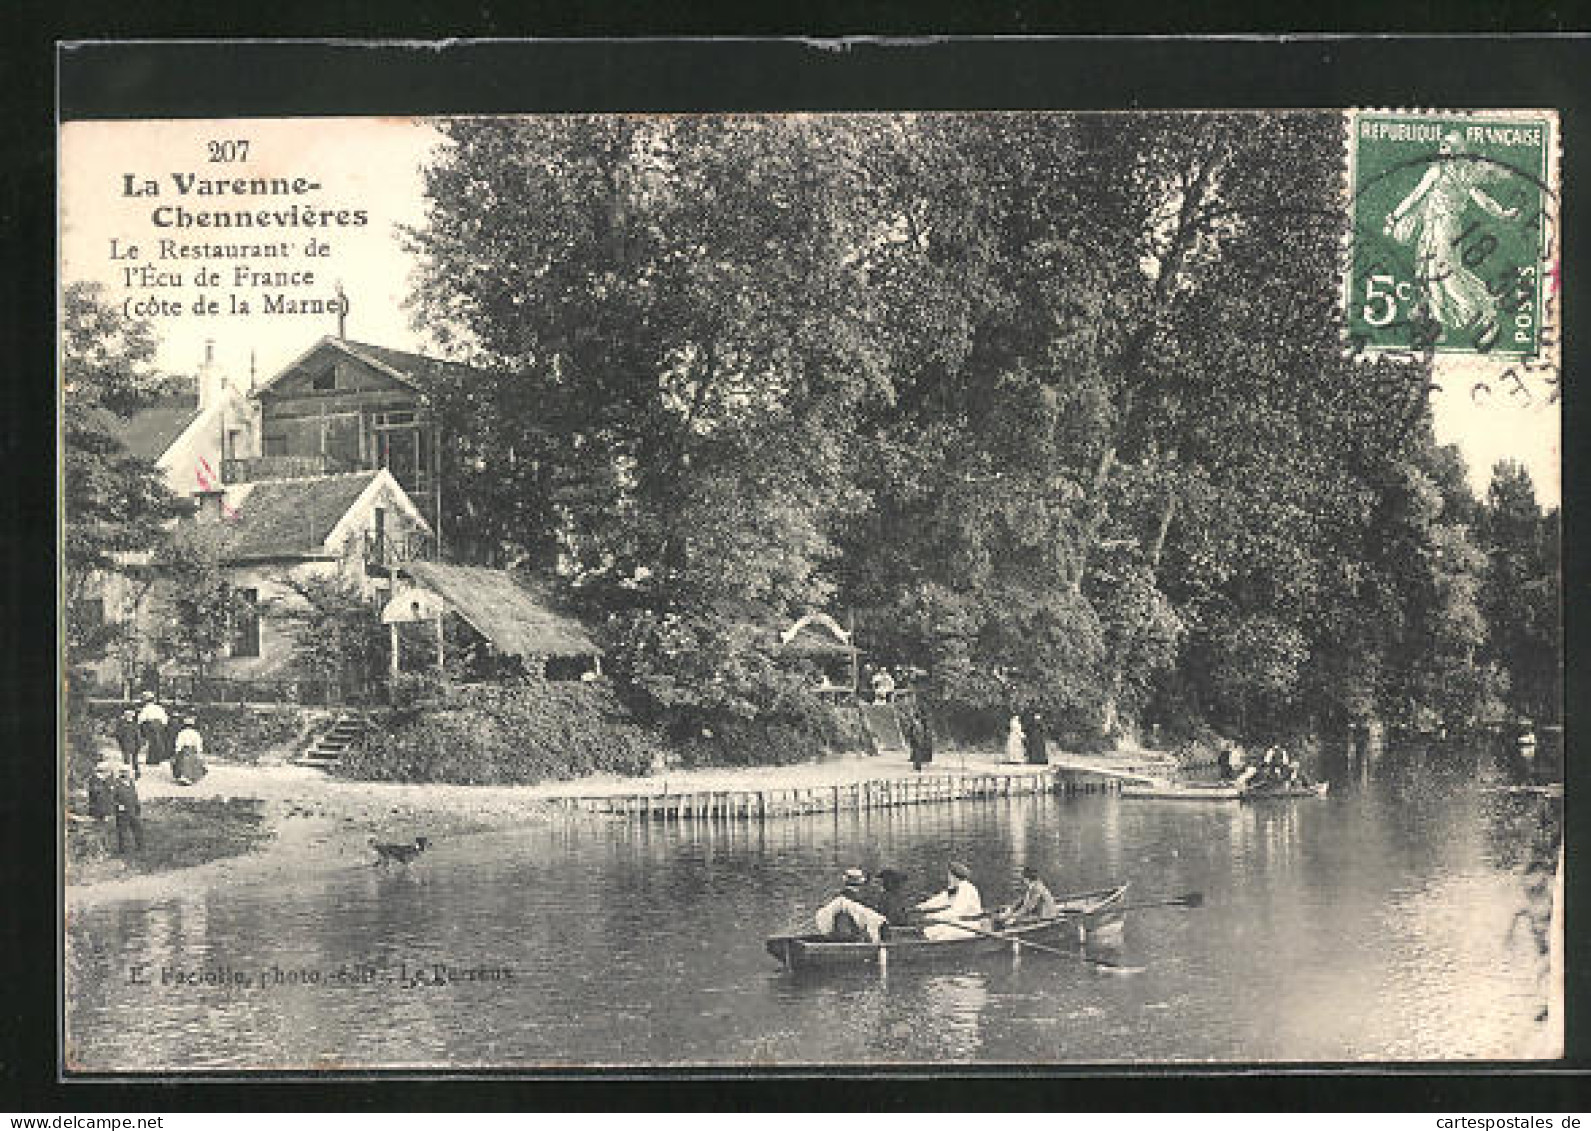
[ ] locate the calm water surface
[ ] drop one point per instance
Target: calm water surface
(1397, 919)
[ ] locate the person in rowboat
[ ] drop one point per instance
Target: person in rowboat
(846, 918)
(959, 902)
(1035, 903)
(891, 901)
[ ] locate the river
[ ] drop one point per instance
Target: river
(1402, 918)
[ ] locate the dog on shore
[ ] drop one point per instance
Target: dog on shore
(399, 853)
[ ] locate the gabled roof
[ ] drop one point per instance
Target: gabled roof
(517, 621)
(412, 369)
(292, 517)
(150, 431)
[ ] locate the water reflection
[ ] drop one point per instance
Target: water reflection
(1405, 919)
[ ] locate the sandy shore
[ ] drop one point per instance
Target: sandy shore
(318, 822)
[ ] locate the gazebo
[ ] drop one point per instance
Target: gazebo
(819, 638)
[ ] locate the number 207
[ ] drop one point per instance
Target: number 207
(1383, 294)
(228, 151)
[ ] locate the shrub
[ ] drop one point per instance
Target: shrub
(522, 732)
(246, 734)
(755, 743)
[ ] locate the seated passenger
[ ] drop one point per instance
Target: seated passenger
(959, 902)
(891, 901)
(846, 918)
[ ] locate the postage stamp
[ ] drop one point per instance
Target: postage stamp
(1454, 228)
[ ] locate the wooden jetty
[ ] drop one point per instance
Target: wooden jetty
(874, 793)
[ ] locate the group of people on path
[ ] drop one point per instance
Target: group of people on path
(1027, 739)
(148, 730)
(865, 910)
(144, 731)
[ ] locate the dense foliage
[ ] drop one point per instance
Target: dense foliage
(1059, 405)
(524, 731)
(114, 502)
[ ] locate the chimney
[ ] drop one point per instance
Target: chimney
(342, 312)
(212, 382)
(208, 506)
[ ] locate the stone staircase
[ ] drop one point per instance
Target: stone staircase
(346, 731)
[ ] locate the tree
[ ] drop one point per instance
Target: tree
(196, 606)
(336, 632)
(1522, 592)
(676, 310)
(114, 502)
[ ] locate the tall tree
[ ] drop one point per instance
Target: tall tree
(1522, 594)
(113, 501)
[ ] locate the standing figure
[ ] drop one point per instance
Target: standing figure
(102, 795)
(1433, 216)
(129, 813)
(127, 738)
(101, 790)
(922, 743)
(883, 686)
(1015, 741)
(187, 761)
(152, 724)
(1038, 741)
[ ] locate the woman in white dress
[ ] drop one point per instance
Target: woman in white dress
(1015, 741)
(958, 903)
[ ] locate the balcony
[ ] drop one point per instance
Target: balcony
(385, 551)
(255, 468)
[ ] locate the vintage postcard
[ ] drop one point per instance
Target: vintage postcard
(802, 589)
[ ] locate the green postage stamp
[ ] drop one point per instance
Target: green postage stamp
(1454, 233)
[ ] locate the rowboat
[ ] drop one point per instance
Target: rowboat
(1219, 791)
(1182, 790)
(1282, 792)
(1084, 915)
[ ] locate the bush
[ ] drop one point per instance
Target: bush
(245, 734)
(756, 743)
(522, 732)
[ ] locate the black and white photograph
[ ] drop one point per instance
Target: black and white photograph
(885, 589)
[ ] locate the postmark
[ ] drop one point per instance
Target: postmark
(1454, 220)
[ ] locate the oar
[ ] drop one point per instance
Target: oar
(1116, 967)
(1187, 899)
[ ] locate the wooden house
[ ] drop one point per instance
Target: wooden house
(344, 406)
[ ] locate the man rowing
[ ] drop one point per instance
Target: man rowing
(959, 902)
(1035, 903)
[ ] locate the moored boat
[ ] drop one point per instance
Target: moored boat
(1282, 792)
(1082, 915)
(1183, 790)
(1219, 791)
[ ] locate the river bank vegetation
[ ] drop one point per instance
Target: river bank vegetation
(1056, 412)
(1060, 407)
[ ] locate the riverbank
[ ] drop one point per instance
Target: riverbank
(313, 821)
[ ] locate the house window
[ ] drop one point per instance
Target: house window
(324, 382)
(231, 451)
(276, 445)
(246, 624)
